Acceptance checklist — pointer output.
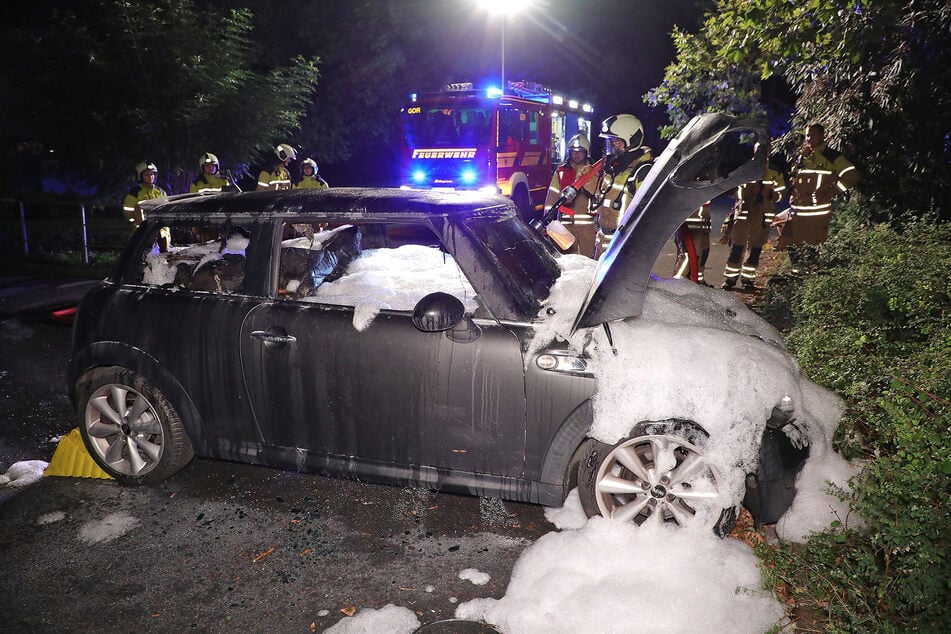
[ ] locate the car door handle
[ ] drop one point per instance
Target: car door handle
(270, 337)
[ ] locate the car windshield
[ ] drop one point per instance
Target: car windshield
(446, 127)
(527, 267)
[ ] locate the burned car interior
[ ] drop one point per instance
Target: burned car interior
(400, 261)
(200, 257)
(314, 258)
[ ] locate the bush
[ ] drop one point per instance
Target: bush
(873, 323)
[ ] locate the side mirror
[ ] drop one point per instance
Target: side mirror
(438, 312)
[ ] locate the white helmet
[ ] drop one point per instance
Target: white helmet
(624, 126)
(145, 165)
(207, 158)
(311, 162)
(284, 152)
(579, 142)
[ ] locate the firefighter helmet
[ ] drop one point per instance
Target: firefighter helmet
(284, 152)
(309, 162)
(579, 142)
(207, 158)
(143, 166)
(624, 126)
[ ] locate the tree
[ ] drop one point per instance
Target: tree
(874, 73)
(353, 113)
(113, 82)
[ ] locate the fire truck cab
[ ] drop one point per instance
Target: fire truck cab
(468, 138)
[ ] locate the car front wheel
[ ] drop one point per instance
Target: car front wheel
(129, 427)
(658, 474)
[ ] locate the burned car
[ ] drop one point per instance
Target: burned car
(434, 339)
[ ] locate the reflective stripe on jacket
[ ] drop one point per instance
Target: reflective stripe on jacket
(130, 204)
(818, 178)
(562, 177)
(613, 190)
(278, 178)
(208, 183)
(760, 197)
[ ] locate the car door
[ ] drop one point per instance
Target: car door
(181, 302)
(372, 394)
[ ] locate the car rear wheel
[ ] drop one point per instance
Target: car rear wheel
(659, 474)
(129, 427)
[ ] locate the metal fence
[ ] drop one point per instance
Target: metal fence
(30, 228)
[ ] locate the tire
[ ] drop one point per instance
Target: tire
(130, 429)
(624, 483)
(523, 203)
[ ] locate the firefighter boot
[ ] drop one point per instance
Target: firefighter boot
(748, 286)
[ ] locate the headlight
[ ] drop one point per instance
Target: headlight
(561, 363)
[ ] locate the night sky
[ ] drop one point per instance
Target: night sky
(607, 52)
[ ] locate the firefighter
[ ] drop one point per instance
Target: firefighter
(146, 189)
(278, 177)
(209, 180)
(693, 236)
(575, 214)
(624, 169)
(309, 178)
(749, 224)
(819, 175)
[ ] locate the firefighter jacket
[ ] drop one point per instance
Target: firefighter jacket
(130, 204)
(575, 214)
(699, 221)
(614, 189)
(564, 175)
(816, 180)
(277, 178)
(208, 183)
(755, 209)
(312, 182)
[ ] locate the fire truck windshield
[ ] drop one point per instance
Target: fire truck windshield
(446, 127)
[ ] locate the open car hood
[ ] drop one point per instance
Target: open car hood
(712, 154)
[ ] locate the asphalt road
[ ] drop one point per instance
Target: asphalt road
(223, 546)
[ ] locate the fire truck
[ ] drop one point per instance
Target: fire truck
(467, 138)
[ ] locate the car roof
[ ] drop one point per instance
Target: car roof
(363, 201)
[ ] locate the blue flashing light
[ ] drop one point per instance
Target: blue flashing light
(493, 93)
(469, 176)
(419, 176)
(412, 97)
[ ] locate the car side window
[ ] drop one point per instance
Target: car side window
(369, 265)
(207, 256)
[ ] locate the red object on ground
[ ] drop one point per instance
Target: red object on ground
(65, 315)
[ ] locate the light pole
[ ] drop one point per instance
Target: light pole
(504, 8)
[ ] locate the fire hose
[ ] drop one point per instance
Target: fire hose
(567, 196)
(693, 263)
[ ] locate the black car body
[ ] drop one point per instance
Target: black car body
(216, 335)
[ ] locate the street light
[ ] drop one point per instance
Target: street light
(504, 8)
